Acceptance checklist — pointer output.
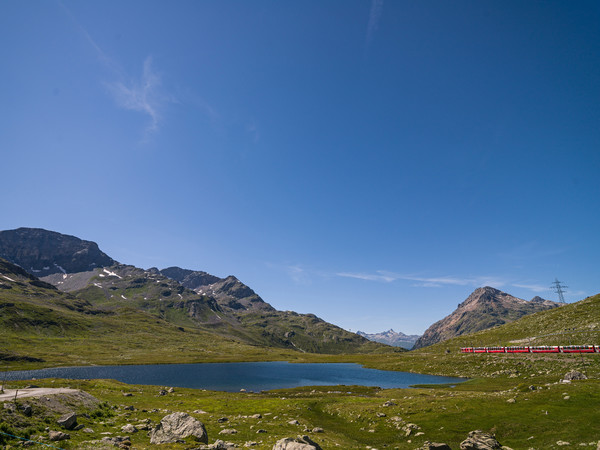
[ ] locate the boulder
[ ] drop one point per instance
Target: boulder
(177, 426)
(434, 446)
(574, 375)
(480, 440)
(58, 436)
(118, 441)
(68, 421)
(299, 443)
(228, 431)
(129, 428)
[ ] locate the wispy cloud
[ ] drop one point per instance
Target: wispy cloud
(532, 287)
(379, 276)
(374, 18)
(141, 95)
(388, 277)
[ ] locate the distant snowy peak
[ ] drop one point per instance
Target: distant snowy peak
(42, 252)
(391, 337)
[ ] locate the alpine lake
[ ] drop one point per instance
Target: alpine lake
(233, 377)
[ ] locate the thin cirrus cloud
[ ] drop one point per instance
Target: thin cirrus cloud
(141, 95)
(388, 277)
(374, 18)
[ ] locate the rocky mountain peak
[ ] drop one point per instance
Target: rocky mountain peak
(486, 307)
(42, 252)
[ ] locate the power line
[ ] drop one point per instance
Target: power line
(559, 289)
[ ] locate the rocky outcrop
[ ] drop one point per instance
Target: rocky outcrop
(574, 375)
(42, 252)
(480, 440)
(230, 293)
(68, 421)
(299, 443)
(485, 308)
(178, 426)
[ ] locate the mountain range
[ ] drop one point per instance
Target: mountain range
(393, 338)
(179, 297)
(485, 308)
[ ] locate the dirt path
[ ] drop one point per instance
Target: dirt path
(9, 394)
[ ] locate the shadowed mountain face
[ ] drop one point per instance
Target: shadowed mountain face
(485, 308)
(42, 252)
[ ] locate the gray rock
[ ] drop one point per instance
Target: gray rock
(26, 410)
(574, 375)
(299, 443)
(480, 440)
(434, 446)
(68, 421)
(318, 430)
(58, 436)
(228, 431)
(129, 428)
(177, 426)
(118, 441)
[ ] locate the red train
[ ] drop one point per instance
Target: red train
(537, 349)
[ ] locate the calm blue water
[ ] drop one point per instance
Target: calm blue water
(252, 376)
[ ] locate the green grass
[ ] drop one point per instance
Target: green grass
(349, 415)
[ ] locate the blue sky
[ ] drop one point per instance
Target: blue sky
(372, 162)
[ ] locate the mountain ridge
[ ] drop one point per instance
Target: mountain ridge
(184, 298)
(486, 307)
(391, 337)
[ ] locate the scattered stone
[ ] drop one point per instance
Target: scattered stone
(219, 445)
(380, 414)
(26, 410)
(409, 428)
(574, 375)
(127, 394)
(58, 436)
(566, 397)
(162, 392)
(294, 422)
(129, 408)
(199, 411)
(561, 443)
(299, 443)
(176, 426)
(68, 421)
(318, 430)
(250, 444)
(511, 400)
(87, 430)
(256, 416)
(389, 403)
(129, 428)
(79, 427)
(242, 390)
(118, 441)
(171, 390)
(261, 431)
(480, 440)
(434, 446)
(222, 419)
(228, 431)
(10, 406)
(420, 433)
